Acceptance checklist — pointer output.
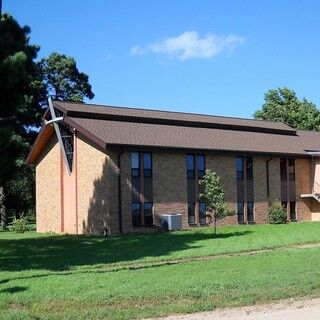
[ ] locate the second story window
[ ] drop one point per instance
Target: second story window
(201, 166)
(135, 164)
(147, 164)
(239, 165)
(190, 166)
(291, 169)
(283, 169)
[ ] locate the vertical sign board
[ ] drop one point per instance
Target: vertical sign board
(65, 137)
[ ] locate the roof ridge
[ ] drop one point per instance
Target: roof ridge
(174, 112)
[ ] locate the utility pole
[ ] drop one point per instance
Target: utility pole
(0, 7)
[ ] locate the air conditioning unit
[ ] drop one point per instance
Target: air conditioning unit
(171, 221)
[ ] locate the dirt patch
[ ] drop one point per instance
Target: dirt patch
(290, 309)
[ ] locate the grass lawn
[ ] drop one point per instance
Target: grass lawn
(66, 277)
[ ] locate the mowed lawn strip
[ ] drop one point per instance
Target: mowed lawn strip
(19, 252)
(187, 287)
(64, 277)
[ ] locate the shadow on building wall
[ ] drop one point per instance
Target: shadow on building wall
(103, 212)
(100, 213)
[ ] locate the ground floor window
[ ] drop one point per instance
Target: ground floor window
(293, 212)
(240, 211)
(202, 213)
(148, 214)
(136, 216)
(191, 213)
(250, 211)
(284, 205)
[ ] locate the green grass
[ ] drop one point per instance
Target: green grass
(64, 277)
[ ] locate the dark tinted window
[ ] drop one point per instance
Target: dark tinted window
(190, 166)
(250, 211)
(239, 166)
(135, 164)
(147, 164)
(283, 169)
(293, 215)
(136, 216)
(148, 213)
(202, 213)
(249, 168)
(284, 205)
(201, 166)
(291, 170)
(191, 213)
(240, 208)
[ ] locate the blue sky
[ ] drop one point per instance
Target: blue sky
(214, 57)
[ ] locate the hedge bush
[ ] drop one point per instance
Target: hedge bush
(19, 225)
(277, 214)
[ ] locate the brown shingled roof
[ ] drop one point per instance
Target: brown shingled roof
(167, 117)
(110, 126)
(168, 136)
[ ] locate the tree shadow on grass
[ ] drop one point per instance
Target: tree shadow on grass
(13, 289)
(64, 252)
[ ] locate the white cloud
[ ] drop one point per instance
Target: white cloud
(189, 45)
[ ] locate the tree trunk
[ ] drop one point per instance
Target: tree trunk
(215, 226)
(3, 216)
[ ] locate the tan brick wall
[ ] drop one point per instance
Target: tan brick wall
(274, 179)
(48, 189)
(97, 189)
(303, 185)
(170, 185)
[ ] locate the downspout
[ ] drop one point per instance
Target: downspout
(314, 173)
(119, 190)
(268, 183)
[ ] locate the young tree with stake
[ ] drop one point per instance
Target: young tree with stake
(213, 196)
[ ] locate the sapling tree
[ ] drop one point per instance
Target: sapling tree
(213, 196)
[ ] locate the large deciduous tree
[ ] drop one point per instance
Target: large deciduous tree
(283, 105)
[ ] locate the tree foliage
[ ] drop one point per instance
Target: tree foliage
(283, 105)
(63, 80)
(213, 196)
(17, 70)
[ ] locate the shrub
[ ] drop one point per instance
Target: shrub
(19, 225)
(277, 214)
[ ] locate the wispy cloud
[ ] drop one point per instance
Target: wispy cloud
(190, 45)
